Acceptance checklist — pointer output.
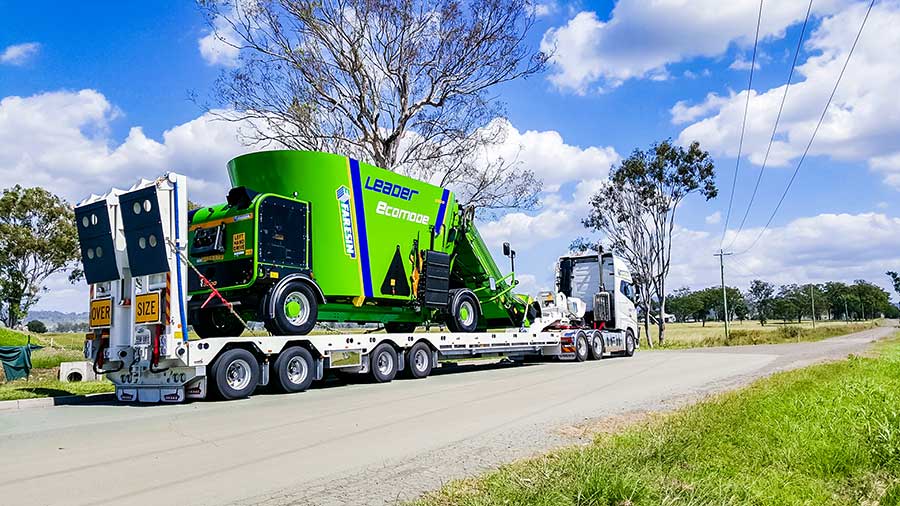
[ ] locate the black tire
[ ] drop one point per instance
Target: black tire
(294, 369)
(463, 315)
(295, 312)
(216, 322)
(227, 374)
(383, 363)
(597, 346)
(400, 327)
(419, 361)
(581, 347)
(629, 343)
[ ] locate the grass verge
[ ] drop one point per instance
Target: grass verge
(692, 335)
(827, 434)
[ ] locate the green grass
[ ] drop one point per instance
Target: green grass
(692, 335)
(828, 434)
(34, 388)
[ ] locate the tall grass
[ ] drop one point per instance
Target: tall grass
(824, 435)
(765, 335)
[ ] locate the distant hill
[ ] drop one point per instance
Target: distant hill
(53, 318)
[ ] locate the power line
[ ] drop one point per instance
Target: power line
(737, 162)
(815, 131)
(774, 128)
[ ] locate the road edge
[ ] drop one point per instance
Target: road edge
(62, 400)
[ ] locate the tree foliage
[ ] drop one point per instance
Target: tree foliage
(761, 295)
(37, 239)
(36, 326)
(404, 84)
(635, 210)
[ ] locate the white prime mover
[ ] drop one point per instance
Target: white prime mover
(133, 247)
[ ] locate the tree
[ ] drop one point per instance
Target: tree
(404, 84)
(684, 303)
(761, 295)
(37, 327)
(636, 208)
(37, 239)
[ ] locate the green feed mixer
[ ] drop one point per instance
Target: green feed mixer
(308, 237)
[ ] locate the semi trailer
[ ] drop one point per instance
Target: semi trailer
(306, 238)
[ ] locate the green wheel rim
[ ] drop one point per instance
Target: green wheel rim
(292, 309)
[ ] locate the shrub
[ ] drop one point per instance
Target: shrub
(37, 327)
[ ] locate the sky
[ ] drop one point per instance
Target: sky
(96, 95)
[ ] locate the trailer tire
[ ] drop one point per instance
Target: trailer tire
(383, 363)
(216, 322)
(598, 347)
(419, 361)
(236, 374)
(463, 316)
(629, 343)
(294, 369)
(581, 347)
(296, 310)
(400, 327)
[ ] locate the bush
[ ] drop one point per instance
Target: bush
(790, 332)
(37, 327)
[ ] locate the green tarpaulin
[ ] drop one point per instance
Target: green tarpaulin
(16, 361)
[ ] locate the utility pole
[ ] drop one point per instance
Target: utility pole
(721, 254)
(846, 312)
(812, 298)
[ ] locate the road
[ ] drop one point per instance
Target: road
(358, 443)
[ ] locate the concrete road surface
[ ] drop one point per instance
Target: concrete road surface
(359, 443)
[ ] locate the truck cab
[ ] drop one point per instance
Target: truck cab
(603, 282)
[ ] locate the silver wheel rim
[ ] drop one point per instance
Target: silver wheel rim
(384, 363)
(299, 298)
(238, 374)
(420, 360)
(598, 345)
(297, 370)
(581, 346)
(629, 344)
(469, 310)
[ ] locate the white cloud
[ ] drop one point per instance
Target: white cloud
(682, 112)
(220, 45)
(863, 122)
(544, 9)
(643, 36)
(19, 54)
(742, 64)
(714, 218)
(61, 140)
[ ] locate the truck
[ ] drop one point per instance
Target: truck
(304, 239)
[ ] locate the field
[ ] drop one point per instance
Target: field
(828, 434)
(689, 335)
(43, 381)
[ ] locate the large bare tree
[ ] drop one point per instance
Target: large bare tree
(407, 85)
(636, 208)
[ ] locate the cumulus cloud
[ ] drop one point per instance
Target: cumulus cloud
(19, 54)
(714, 218)
(862, 123)
(61, 140)
(220, 45)
(642, 37)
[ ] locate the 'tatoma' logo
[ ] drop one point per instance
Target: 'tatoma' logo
(343, 197)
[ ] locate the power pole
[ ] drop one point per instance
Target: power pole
(846, 312)
(812, 298)
(721, 254)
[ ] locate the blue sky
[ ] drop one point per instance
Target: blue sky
(94, 95)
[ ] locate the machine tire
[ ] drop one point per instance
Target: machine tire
(296, 310)
(581, 347)
(597, 347)
(235, 373)
(419, 361)
(294, 369)
(216, 322)
(383, 363)
(463, 315)
(629, 343)
(400, 327)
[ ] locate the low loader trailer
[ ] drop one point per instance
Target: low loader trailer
(287, 250)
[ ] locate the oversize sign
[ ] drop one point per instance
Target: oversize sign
(146, 308)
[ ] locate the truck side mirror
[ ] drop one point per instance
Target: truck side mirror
(506, 249)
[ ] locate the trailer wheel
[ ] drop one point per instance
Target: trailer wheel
(400, 327)
(236, 374)
(383, 363)
(598, 348)
(216, 322)
(296, 311)
(419, 361)
(294, 369)
(629, 343)
(463, 315)
(581, 347)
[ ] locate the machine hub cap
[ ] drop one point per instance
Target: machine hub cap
(466, 313)
(296, 308)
